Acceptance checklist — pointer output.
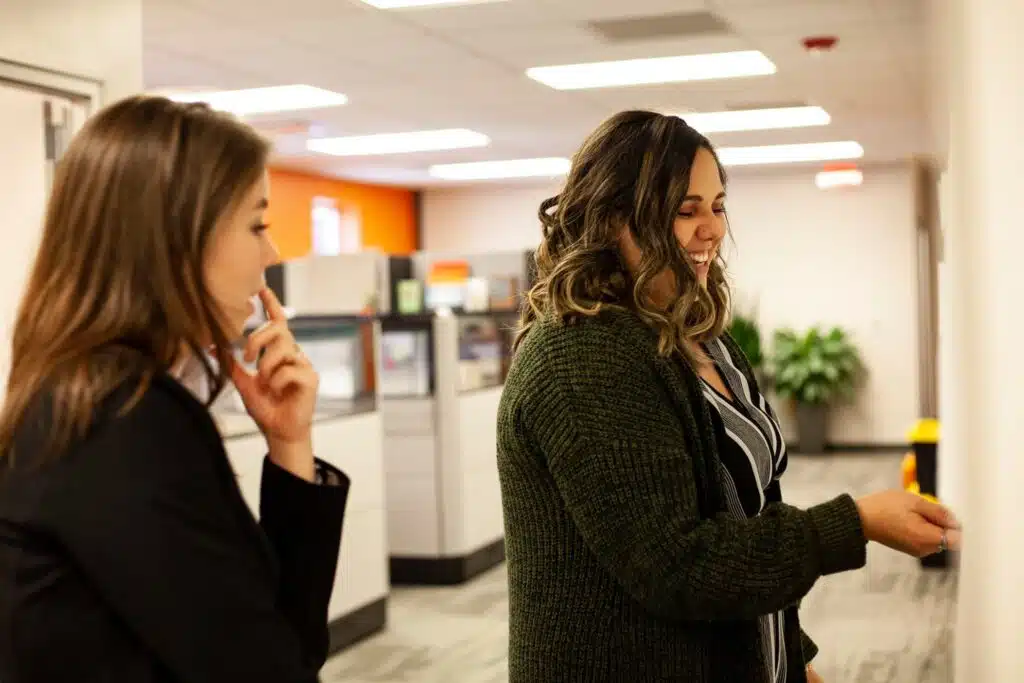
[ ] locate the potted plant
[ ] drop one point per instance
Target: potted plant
(747, 334)
(814, 370)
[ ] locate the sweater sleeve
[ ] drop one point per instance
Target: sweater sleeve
(618, 455)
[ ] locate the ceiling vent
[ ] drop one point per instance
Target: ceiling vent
(660, 26)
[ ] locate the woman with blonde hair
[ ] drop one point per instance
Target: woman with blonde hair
(126, 550)
(646, 536)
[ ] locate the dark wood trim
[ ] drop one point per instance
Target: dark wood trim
(356, 626)
(867, 447)
(884, 448)
(417, 218)
(446, 571)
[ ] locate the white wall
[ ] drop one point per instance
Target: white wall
(483, 218)
(98, 39)
(21, 208)
(801, 256)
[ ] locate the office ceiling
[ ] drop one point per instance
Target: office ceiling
(463, 67)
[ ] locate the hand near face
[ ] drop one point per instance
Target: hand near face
(812, 675)
(281, 395)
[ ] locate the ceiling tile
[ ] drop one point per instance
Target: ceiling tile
(464, 66)
(589, 10)
(799, 18)
(510, 14)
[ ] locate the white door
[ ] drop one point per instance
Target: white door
(34, 131)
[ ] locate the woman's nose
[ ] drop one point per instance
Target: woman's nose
(271, 256)
(710, 229)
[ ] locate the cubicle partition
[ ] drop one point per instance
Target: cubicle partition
(441, 378)
(348, 434)
(439, 373)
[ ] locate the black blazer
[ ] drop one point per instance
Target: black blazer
(133, 557)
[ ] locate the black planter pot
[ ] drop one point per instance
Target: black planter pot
(811, 426)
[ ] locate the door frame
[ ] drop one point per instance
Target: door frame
(82, 90)
(929, 243)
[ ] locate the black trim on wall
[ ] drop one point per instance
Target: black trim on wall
(356, 626)
(275, 282)
(417, 203)
(446, 571)
(399, 268)
(882, 448)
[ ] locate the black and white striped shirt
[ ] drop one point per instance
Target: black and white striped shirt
(752, 453)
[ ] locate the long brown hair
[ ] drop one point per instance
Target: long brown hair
(634, 171)
(117, 288)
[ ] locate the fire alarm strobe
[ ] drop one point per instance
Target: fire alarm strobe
(819, 44)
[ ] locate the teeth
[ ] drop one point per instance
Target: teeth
(699, 256)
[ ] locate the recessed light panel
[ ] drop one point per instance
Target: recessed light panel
(399, 143)
(789, 154)
(704, 67)
(757, 119)
(272, 99)
(548, 167)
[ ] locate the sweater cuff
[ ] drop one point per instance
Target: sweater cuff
(841, 539)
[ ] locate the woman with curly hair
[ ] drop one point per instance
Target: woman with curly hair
(640, 463)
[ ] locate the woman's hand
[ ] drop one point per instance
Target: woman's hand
(281, 396)
(812, 675)
(908, 523)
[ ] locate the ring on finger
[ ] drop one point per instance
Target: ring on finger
(943, 542)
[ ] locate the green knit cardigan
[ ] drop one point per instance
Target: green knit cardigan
(623, 566)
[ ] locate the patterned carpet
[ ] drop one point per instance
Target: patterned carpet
(889, 623)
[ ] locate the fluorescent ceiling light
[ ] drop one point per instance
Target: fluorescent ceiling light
(655, 70)
(399, 143)
(549, 167)
(789, 154)
(847, 177)
(265, 100)
(757, 119)
(410, 4)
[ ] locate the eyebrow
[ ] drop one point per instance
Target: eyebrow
(698, 198)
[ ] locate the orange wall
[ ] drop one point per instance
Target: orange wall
(388, 214)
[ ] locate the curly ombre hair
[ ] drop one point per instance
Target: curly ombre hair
(632, 172)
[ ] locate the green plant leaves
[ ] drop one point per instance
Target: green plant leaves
(815, 367)
(747, 335)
